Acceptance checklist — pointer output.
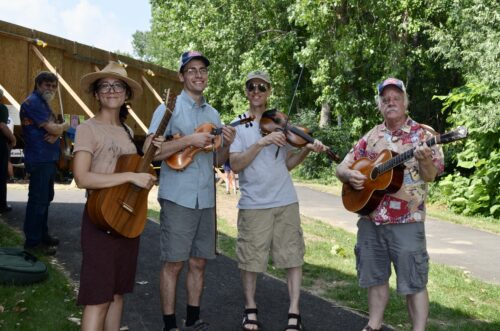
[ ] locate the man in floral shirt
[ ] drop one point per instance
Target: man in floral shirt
(394, 232)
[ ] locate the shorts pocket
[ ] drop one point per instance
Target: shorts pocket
(420, 270)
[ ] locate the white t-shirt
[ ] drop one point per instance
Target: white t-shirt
(265, 182)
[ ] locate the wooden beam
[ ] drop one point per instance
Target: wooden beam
(10, 98)
(137, 119)
(62, 81)
(151, 89)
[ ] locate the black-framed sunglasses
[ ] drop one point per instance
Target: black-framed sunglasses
(261, 87)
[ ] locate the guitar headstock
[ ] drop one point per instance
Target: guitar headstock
(247, 120)
(457, 134)
(169, 99)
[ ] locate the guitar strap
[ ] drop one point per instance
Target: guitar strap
(429, 129)
(138, 149)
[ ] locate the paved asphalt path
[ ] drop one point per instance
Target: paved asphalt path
(222, 302)
(473, 251)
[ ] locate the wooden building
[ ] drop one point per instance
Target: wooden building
(25, 52)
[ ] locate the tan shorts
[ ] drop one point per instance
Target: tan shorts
(273, 229)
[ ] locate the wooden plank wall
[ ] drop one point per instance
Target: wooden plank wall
(19, 65)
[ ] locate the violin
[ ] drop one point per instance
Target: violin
(297, 136)
(183, 158)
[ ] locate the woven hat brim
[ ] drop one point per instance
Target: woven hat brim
(90, 78)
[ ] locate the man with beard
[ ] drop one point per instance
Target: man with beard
(41, 151)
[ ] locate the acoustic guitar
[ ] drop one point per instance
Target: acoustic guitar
(183, 158)
(385, 174)
(122, 210)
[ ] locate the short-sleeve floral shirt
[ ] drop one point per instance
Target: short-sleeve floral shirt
(408, 204)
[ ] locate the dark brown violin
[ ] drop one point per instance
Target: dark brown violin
(183, 158)
(297, 136)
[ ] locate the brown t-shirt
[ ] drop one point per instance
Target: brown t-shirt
(105, 142)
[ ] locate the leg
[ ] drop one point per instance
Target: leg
(194, 280)
(294, 280)
(418, 309)
(378, 296)
(168, 284)
(114, 315)
(249, 283)
(94, 316)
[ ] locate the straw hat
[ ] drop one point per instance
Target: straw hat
(112, 70)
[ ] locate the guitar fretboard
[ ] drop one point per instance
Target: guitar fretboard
(401, 158)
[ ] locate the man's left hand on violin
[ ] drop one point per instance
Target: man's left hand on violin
(317, 146)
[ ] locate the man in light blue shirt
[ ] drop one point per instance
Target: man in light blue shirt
(187, 197)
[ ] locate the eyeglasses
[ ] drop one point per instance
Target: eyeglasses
(106, 87)
(261, 87)
(195, 72)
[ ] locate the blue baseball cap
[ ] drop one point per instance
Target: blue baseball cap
(192, 55)
(391, 81)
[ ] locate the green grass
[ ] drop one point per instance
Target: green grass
(458, 302)
(44, 306)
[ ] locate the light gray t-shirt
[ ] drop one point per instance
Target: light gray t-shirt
(194, 186)
(265, 182)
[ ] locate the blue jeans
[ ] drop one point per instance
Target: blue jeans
(41, 193)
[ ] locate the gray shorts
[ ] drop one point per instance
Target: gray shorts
(402, 244)
(273, 229)
(186, 232)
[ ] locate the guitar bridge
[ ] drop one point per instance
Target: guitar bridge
(127, 207)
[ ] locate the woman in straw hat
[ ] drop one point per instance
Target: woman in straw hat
(108, 262)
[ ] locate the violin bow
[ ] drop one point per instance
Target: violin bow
(290, 107)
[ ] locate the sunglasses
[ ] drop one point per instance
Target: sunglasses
(261, 87)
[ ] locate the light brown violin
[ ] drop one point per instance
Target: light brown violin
(183, 158)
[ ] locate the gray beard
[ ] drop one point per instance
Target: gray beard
(48, 96)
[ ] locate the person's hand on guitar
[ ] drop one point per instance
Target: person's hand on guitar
(356, 179)
(157, 142)
(50, 138)
(423, 154)
(143, 179)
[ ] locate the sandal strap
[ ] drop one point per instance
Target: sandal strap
(297, 326)
(369, 328)
(251, 311)
(296, 316)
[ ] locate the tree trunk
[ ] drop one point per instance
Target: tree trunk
(326, 115)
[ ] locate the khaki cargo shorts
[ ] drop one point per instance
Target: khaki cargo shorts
(276, 230)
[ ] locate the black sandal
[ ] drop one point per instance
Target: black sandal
(246, 321)
(369, 328)
(297, 326)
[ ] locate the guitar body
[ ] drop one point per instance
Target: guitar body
(121, 209)
(376, 187)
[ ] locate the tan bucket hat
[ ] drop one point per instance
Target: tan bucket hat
(112, 70)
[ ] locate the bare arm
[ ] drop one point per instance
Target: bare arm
(349, 176)
(4, 129)
(228, 134)
(240, 161)
(294, 159)
(55, 129)
(84, 178)
(427, 169)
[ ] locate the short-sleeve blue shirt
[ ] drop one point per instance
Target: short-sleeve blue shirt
(193, 187)
(34, 112)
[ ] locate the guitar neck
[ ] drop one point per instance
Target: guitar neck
(150, 152)
(402, 158)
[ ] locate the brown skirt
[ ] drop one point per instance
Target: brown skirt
(108, 264)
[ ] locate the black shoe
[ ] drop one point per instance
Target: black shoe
(40, 249)
(49, 240)
(5, 209)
